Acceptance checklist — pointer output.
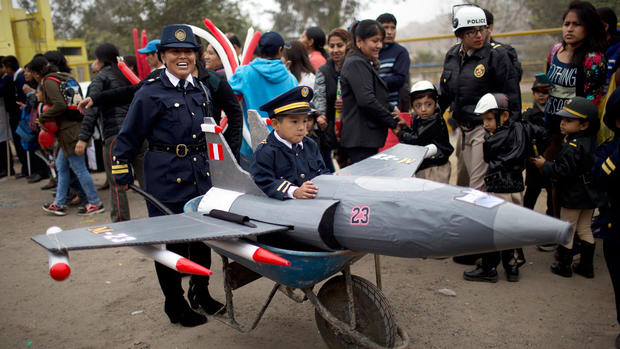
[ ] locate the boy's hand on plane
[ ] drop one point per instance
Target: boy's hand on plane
(306, 191)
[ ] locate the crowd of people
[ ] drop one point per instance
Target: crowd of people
(330, 109)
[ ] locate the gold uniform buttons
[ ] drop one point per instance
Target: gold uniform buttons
(176, 105)
(178, 180)
(193, 114)
(114, 158)
(195, 160)
(302, 176)
(194, 136)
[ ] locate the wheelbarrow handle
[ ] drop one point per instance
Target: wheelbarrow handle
(151, 199)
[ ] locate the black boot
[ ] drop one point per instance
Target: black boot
(512, 273)
(481, 274)
(198, 295)
(563, 266)
(178, 311)
(467, 259)
(585, 267)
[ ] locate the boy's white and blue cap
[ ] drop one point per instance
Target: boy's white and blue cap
(293, 101)
(150, 47)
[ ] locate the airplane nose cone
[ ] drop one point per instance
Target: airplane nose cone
(516, 225)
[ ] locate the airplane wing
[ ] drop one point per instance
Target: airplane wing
(177, 228)
(401, 160)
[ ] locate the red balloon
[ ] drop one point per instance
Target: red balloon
(50, 126)
(46, 139)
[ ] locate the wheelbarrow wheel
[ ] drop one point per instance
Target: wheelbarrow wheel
(373, 314)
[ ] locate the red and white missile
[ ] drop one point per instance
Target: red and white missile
(173, 260)
(248, 251)
(58, 261)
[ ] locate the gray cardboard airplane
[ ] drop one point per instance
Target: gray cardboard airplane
(374, 206)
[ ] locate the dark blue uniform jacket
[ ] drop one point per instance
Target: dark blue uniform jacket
(161, 113)
(275, 167)
(605, 175)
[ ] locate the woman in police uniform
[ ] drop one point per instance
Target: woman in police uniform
(168, 111)
(473, 68)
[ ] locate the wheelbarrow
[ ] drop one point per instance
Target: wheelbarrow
(350, 311)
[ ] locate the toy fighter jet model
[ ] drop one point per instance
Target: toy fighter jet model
(361, 208)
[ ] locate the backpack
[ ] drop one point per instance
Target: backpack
(72, 93)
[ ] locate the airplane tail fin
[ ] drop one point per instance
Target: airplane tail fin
(225, 171)
(258, 128)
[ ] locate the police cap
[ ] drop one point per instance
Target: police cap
(177, 36)
(579, 108)
(294, 101)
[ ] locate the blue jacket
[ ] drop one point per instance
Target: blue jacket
(606, 176)
(275, 167)
(162, 114)
(259, 82)
(394, 68)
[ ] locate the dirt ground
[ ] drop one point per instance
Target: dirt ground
(112, 298)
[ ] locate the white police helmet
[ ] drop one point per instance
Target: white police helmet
(491, 101)
(466, 15)
(421, 86)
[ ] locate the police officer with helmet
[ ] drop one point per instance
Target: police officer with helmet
(168, 111)
(473, 68)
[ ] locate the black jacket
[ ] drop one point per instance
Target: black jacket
(366, 113)
(327, 139)
(535, 116)
(112, 116)
(465, 81)
(572, 171)
(432, 130)
(507, 151)
(224, 100)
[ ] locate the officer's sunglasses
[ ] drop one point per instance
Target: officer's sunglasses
(473, 32)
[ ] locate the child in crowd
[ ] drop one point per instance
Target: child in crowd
(534, 182)
(428, 127)
(571, 170)
(285, 163)
(506, 148)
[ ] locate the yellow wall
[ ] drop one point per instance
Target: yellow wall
(24, 35)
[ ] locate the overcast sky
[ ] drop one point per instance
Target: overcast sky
(406, 11)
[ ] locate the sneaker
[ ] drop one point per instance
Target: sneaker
(55, 209)
(90, 209)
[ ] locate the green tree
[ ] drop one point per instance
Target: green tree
(296, 15)
(66, 16)
(113, 20)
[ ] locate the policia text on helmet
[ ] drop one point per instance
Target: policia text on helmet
(470, 25)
